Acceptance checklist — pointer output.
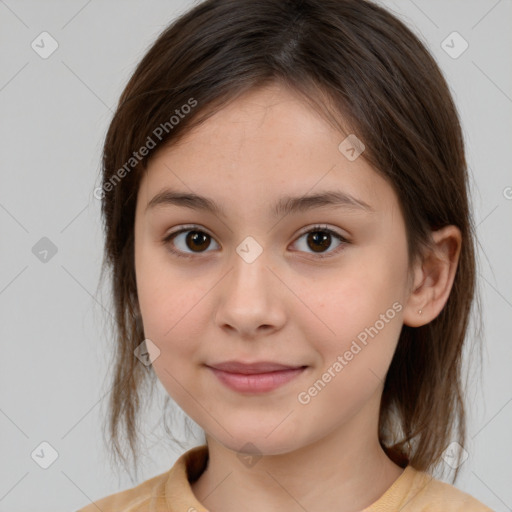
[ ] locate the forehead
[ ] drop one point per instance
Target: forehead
(263, 145)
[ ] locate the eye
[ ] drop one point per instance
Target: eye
(195, 239)
(318, 238)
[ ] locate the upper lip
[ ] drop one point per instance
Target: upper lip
(252, 368)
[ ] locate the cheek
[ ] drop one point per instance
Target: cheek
(359, 311)
(171, 305)
(172, 314)
(354, 353)
(162, 291)
(351, 303)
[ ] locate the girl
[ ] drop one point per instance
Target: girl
(286, 215)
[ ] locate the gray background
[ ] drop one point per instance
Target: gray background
(54, 115)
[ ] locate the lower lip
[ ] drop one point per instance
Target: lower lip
(257, 382)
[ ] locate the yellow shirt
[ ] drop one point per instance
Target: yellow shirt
(412, 491)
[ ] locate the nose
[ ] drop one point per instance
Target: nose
(251, 298)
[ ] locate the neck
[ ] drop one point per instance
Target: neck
(346, 471)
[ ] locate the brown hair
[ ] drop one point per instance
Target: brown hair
(368, 74)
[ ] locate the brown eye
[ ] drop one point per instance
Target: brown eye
(319, 239)
(188, 241)
(185, 242)
(197, 240)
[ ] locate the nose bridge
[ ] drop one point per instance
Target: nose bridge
(249, 293)
(250, 275)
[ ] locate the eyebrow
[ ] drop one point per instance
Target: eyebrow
(284, 206)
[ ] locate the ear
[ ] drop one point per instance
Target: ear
(433, 277)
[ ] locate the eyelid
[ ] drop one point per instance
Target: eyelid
(322, 227)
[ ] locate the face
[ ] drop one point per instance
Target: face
(321, 287)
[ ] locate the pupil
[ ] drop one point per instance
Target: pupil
(195, 237)
(319, 237)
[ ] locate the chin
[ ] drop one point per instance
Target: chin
(259, 444)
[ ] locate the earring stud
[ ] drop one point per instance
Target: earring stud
(420, 311)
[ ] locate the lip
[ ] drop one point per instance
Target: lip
(258, 377)
(253, 368)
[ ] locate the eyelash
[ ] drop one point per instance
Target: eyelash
(167, 239)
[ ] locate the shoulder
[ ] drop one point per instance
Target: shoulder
(448, 498)
(155, 494)
(150, 493)
(427, 494)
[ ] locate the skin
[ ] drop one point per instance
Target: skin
(287, 306)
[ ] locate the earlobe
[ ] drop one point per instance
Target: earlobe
(433, 277)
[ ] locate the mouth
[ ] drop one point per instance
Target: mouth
(258, 377)
(253, 368)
